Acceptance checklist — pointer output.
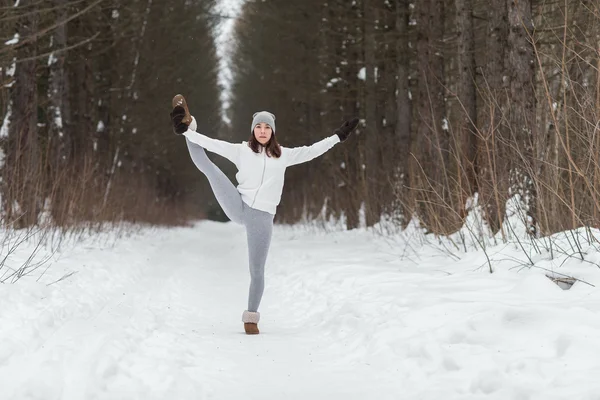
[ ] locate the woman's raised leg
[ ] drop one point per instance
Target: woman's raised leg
(227, 195)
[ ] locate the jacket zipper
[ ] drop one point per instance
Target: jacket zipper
(261, 178)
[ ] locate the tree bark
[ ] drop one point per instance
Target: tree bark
(432, 134)
(466, 132)
(59, 137)
(23, 156)
(521, 63)
(372, 198)
(403, 135)
(492, 156)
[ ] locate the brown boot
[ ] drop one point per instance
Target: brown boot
(250, 320)
(179, 100)
(251, 329)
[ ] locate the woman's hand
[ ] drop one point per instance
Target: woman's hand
(347, 127)
(179, 127)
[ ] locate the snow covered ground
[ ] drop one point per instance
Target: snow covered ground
(346, 315)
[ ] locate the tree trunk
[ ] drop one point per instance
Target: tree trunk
(23, 156)
(372, 151)
(466, 130)
(521, 64)
(435, 206)
(492, 156)
(403, 110)
(59, 137)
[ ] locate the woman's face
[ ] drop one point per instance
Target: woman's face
(262, 133)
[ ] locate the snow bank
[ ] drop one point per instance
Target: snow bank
(349, 315)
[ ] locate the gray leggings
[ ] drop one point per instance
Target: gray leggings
(259, 224)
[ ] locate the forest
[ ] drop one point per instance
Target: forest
(462, 103)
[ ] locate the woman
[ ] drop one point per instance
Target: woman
(261, 164)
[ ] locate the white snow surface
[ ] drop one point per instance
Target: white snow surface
(52, 59)
(12, 41)
(11, 70)
(6, 122)
(345, 315)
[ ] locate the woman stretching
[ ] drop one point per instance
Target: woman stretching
(261, 164)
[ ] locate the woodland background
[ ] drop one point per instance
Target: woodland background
(462, 103)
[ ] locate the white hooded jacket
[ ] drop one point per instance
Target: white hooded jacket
(260, 178)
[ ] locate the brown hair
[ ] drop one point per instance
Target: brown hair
(272, 147)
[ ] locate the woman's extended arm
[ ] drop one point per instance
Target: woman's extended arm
(228, 150)
(302, 154)
(298, 155)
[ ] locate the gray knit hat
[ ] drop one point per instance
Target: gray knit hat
(263, 116)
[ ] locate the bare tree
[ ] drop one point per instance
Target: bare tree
(467, 124)
(403, 125)
(373, 134)
(22, 171)
(493, 139)
(522, 111)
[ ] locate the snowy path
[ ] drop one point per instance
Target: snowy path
(158, 317)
